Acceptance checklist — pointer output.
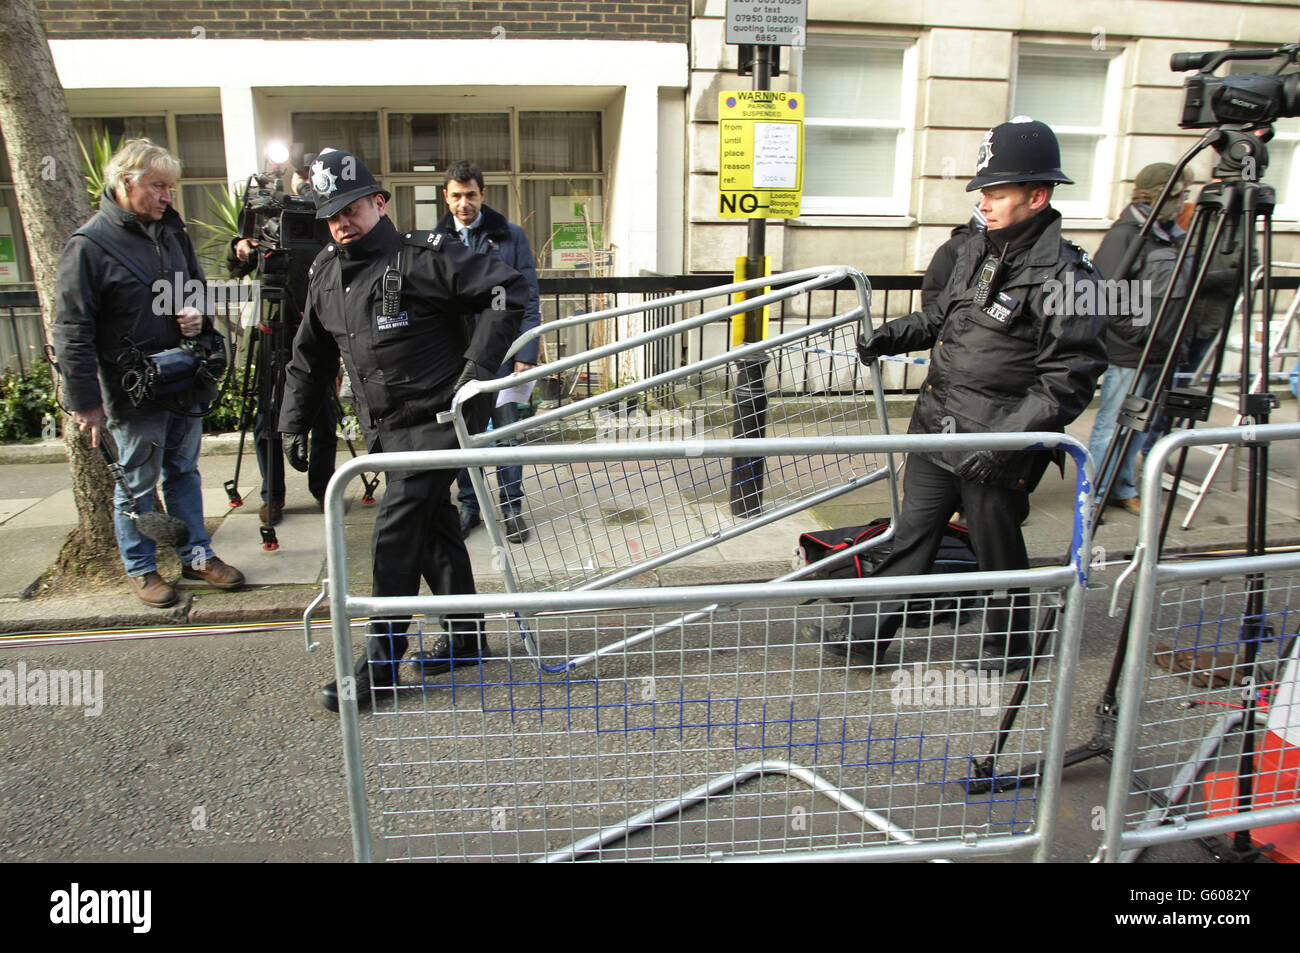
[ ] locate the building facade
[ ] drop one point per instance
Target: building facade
(599, 120)
(898, 96)
(564, 105)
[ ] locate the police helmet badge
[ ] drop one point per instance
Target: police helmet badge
(323, 181)
(986, 152)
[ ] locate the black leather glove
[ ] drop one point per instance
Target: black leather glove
(295, 450)
(986, 466)
(473, 372)
(870, 348)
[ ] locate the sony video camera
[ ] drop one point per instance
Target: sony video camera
(1247, 98)
(278, 220)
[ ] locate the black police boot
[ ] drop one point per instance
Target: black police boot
(864, 637)
(376, 669)
(463, 647)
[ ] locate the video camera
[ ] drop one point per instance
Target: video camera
(1248, 98)
(278, 220)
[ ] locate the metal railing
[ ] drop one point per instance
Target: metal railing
(1208, 644)
(728, 735)
(595, 526)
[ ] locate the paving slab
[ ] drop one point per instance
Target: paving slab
(57, 509)
(24, 557)
(11, 508)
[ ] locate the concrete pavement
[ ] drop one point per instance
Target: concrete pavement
(37, 512)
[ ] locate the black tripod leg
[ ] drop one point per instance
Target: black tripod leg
(232, 485)
(271, 384)
(983, 778)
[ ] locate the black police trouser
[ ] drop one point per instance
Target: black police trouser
(417, 535)
(993, 515)
(321, 449)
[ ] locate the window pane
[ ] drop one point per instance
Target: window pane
(202, 147)
(440, 139)
(1281, 169)
(559, 141)
(153, 128)
(355, 132)
(211, 245)
(1078, 156)
(12, 242)
(421, 206)
(1061, 90)
(858, 162)
(852, 82)
(537, 211)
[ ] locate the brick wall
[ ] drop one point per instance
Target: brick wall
(348, 20)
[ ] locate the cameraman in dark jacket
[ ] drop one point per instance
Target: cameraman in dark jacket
(1007, 354)
(1128, 329)
(124, 281)
(246, 256)
(406, 359)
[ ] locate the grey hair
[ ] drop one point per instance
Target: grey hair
(136, 159)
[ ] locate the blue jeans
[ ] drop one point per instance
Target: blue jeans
(1114, 388)
(159, 444)
(510, 480)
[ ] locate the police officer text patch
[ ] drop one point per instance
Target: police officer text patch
(387, 322)
(1001, 306)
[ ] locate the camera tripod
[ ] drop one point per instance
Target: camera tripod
(263, 388)
(1234, 208)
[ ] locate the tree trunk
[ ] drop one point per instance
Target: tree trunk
(53, 203)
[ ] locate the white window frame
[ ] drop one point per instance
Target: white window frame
(1289, 210)
(899, 202)
(1097, 205)
(513, 178)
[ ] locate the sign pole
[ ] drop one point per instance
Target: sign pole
(749, 409)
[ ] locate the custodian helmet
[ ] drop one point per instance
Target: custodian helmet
(1021, 150)
(338, 179)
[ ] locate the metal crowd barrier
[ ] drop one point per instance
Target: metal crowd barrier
(595, 524)
(730, 734)
(1202, 663)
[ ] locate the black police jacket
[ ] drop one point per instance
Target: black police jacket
(1025, 362)
(104, 306)
(403, 368)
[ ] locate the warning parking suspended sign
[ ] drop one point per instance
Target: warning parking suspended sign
(760, 154)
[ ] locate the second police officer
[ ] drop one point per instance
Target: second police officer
(1006, 355)
(406, 357)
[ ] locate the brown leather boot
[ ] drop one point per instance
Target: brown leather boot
(152, 590)
(271, 513)
(215, 573)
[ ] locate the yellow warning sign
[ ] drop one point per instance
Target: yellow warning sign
(760, 153)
